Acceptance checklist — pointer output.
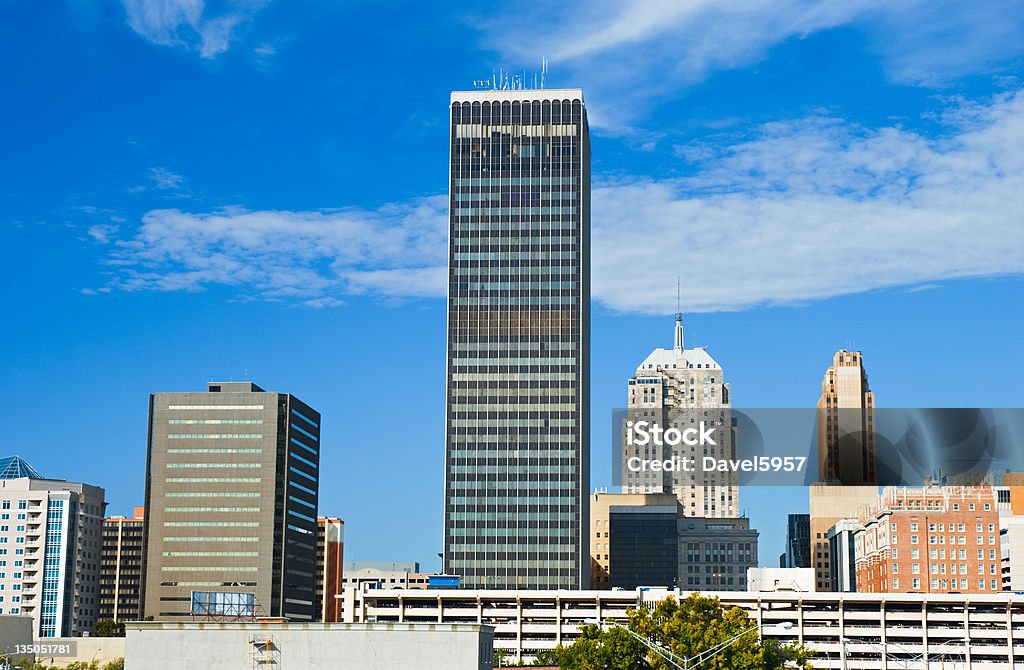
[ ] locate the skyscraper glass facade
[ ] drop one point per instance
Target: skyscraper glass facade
(517, 465)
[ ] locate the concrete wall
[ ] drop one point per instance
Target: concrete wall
(277, 646)
(100, 649)
(14, 629)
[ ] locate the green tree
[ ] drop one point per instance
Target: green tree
(595, 649)
(687, 628)
(116, 664)
(83, 665)
(107, 628)
(547, 658)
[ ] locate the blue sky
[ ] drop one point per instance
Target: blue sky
(257, 190)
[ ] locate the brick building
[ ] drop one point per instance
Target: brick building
(930, 540)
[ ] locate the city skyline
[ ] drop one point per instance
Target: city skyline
(177, 174)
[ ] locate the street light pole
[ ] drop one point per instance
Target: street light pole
(679, 662)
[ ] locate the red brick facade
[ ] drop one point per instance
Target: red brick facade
(937, 540)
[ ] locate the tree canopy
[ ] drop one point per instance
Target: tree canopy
(692, 629)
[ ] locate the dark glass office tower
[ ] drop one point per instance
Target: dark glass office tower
(517, 435)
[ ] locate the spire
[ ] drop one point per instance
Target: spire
(678, 342)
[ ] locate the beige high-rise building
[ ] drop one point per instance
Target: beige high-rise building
(846, 455)
(682, 388)
(846, 414)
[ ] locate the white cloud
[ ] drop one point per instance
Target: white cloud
(164, 179)
(102, 232)
(187, 23)
(397, 250)
(804, 210)
(629, 55)
(817, 208)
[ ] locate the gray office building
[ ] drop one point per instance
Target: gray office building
(714, 554)
(232, 480)
(517, 425)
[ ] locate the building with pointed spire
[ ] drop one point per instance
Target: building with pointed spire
(50, 533)
(677, 388)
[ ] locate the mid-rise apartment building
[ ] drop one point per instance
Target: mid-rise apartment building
(121, 567)
(50, 545)
(232, 481)
(930, 540)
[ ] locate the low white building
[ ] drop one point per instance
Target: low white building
(310, 646)
(772, 580)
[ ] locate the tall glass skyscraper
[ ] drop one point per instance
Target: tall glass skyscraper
(517, 465)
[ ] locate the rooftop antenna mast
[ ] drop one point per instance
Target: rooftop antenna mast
(543, 71)
(678, 340)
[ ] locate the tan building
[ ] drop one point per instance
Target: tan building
(830, 504)
(846, 456)
(121, 567)
(600, 528)
(330, 556)
(846, 409)
(930, 540)
(681, 388)
(644, 539)
(231, 505)
(1014, 483)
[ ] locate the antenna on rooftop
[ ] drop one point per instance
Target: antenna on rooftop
(512, 81)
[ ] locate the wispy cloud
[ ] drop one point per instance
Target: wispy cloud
(803, 210)
(187, 23)
(311, 256)
(817, 208)
(164, 179)
(630, 55)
